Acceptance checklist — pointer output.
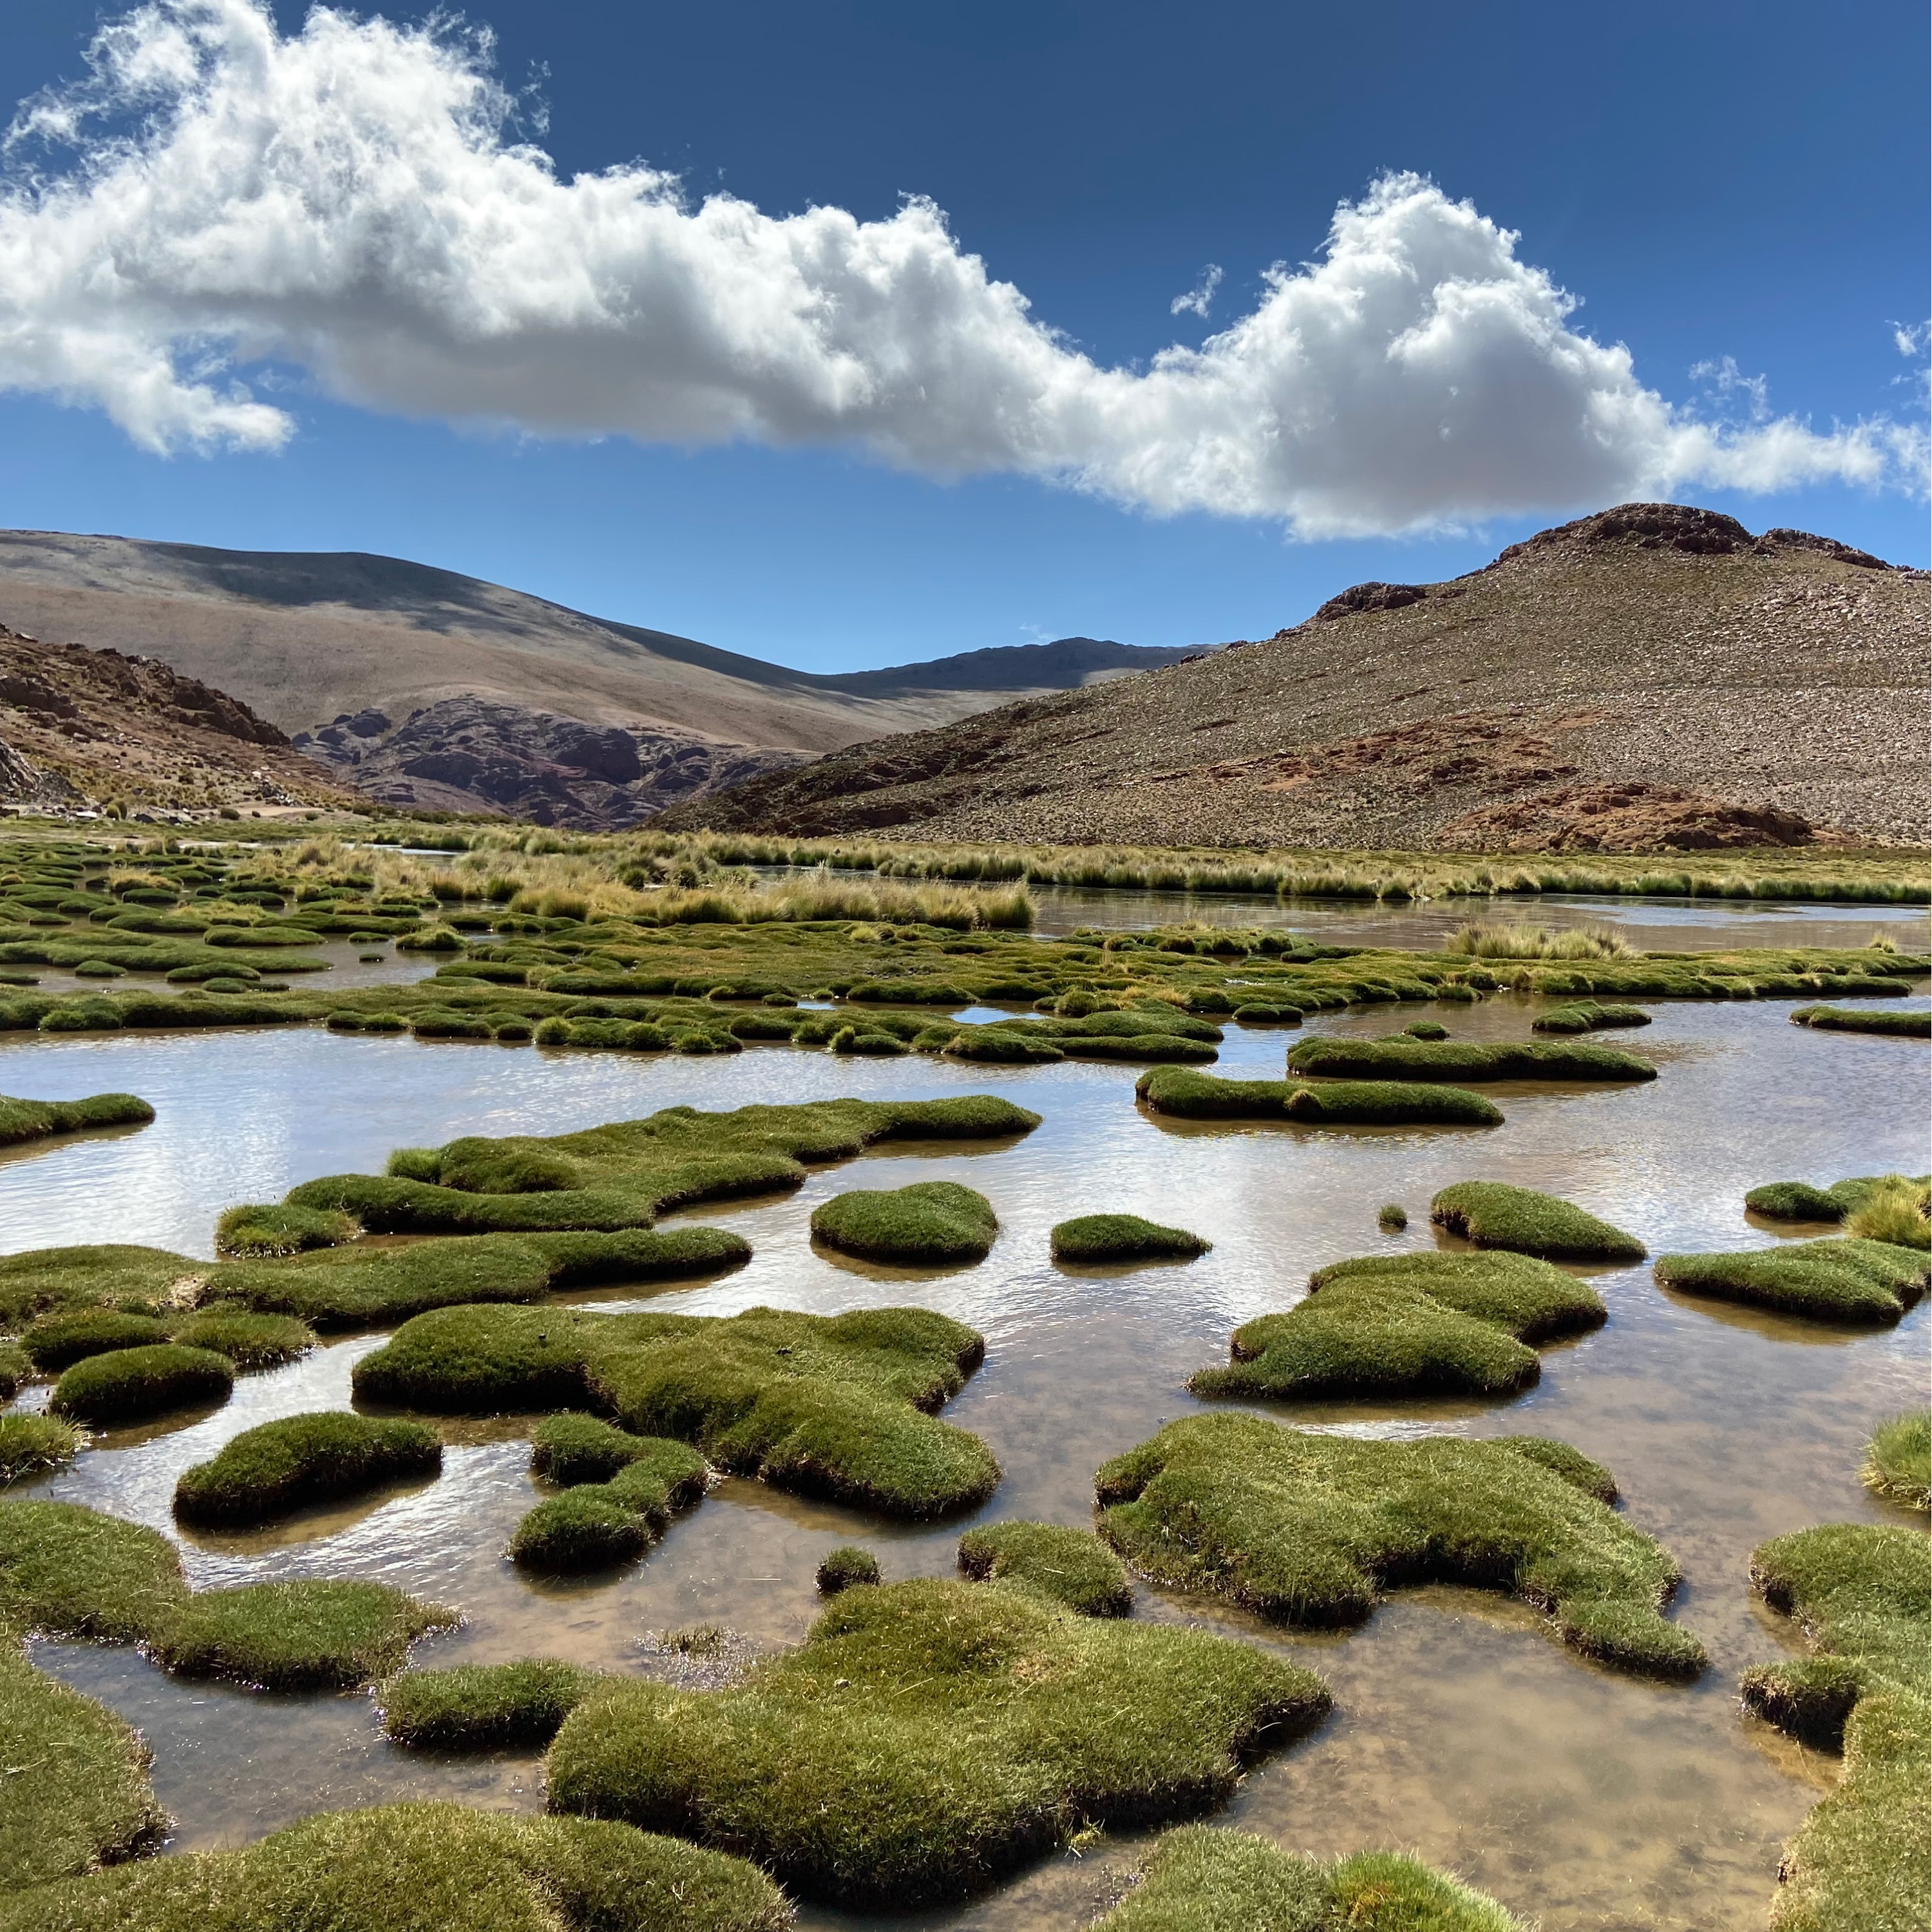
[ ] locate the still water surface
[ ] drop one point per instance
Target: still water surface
(1461, 1730)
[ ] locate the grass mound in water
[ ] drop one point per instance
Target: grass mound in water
(1898, 1460)
(1828, 1280)
(1408, 1324)
(129, 1384)
(625, 1175)
(1181, 1091)
(573, 1448)
(22, 1121)
(846, 1568)
(249, 1340)
(74, 1573)
(1492, 1214)
(1896, 1211)
(1329, 1056)
(1865, 1019)
(296, 1460)
(595, 1524)
(420, 1867)
(1860, 1593)
(1200, 1878)
(929, 1736)
(43, 1281)
(929, 1223)
(80, 1796)
(1122, 1237)
(1309, 1529)
(1800, 1201)
(838, 1406)
(32, 1445)
(1073, 1566)
(1587, 1016)
(484, 1707)
(57, 1342)
(275, 1228)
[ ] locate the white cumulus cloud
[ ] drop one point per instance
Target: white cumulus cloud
(218, 198)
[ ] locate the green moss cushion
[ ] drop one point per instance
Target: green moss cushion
(1121, 1237)
(930, 1223)
(129, 1384)
(295, 1460)
(1493, 1214)
(1847, 1281)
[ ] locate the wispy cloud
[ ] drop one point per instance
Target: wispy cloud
(1200, 298)
(353, 203)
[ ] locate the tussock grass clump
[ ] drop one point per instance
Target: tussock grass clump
(57, 1342)
(1898, 1460)
(1392, 1217)
(1181, 1091)
(846, 1568)
(32, 1445)
(1799, 1201)
(1861, 1019)
(623, 1175)
(129, 1384)
(249, 1340)
(595, 1525)
(1073, 1566)
(276, 1229)
(282, 1465)
(21, 1120)
(1200, 1878)
(74, 1572)
(1408, 1324)
(836, 1406)
(484, 1707)
(1860, 1594)
(1426, 1029)
(420, 1867)
(1122, 1237)
(929, 1736)
(1587, 1016)
(1895, 1210)
(996, 1046)
(930, 1223)
(1481, 939)
(1327, 1055)
(1492, 1214)
(1828, 1280)
(1310, 1529)
(573, 1448)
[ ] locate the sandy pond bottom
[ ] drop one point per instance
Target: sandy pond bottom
(1461, 1730)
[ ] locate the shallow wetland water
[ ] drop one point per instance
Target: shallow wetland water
(1461, 1730)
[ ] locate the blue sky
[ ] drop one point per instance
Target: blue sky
(1711, 182)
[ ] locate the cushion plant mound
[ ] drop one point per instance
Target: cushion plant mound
(829, 1405)
(1203, 1096)
(1863, 1019)
(419, 1868)
(1829, 1280)
(929, 1223)
(1898, 1460)
(32, 1445)
(1586, 1016)
(43, 1280)
(1309, 1529)
(995, 1046)
(37, 1119)
(1122, 1237)
(74, 1572)
(1493, 1214)
(1799, 1201)
(249, 1340)
(574, 1448)
(596, 1524)
(1073, 1567)
(297, 1460)
(80, 1796)
(1328, 1055)
(275, 1228)
(484, 1707)
(845, 1568)
(57, 1342)
(129, 1384)
(1201, 1878)
(929, 1736)
(1860, 1593)
(1408, 1324)
(624, 1175)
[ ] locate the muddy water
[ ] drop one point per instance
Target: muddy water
(1461, 1731)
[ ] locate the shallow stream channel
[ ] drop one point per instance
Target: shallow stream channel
(1461, 1732)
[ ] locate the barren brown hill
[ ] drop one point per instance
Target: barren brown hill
(81, 731)
(1650, 676)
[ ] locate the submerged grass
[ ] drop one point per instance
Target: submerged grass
(1310, 1529)
(1122, 1237)
(929, 1223)
(419, 1867)
(1830, 1280)
(1492, 1214)
(296, 1460)
(1898, 1460)
(928, 1737)
(1392, 1325)
(1181, 1091)
(1329, 1055)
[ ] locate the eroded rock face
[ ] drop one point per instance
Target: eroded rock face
(475, 755)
